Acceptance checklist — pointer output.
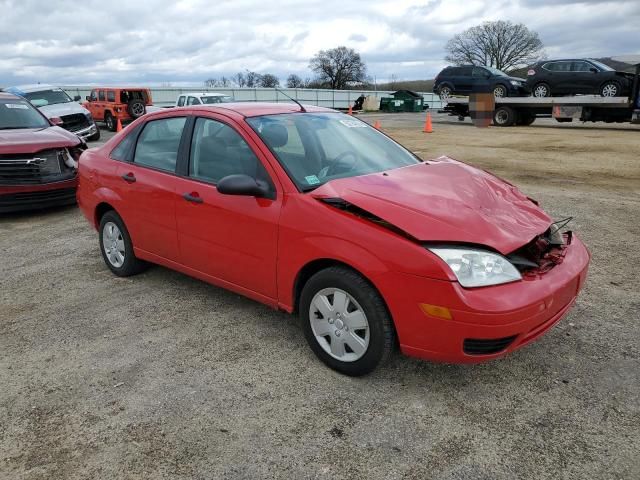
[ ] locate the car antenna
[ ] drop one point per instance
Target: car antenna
(302, 109)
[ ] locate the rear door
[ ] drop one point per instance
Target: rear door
(464, 80)
(147, 186)
(228, 237)
(561, 78)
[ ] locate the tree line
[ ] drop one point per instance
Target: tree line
(500, 44)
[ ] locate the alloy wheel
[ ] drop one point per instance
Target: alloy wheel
(541, 91)
(339, 324)
(610, 90)
(499, 92)
(445, 92)
(113, 244)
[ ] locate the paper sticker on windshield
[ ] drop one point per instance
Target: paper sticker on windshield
(312, 180)
(353, 123)
(20, 106)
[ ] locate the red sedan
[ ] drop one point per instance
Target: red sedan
(38, 161)
(314, 212)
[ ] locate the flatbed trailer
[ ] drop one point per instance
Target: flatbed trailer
(511, 111)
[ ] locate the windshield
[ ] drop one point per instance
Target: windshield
(216, 99)
(315, 148)
(495, 71)
(47, 97)
(18, 114)
(602, 66)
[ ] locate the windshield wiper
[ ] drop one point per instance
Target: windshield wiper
(16, 128)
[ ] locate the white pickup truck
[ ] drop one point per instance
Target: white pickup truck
(202, 98)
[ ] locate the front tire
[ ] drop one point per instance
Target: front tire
(346, 321)
(500, 91)
(116, 246)
(96, 136)
(445, 91)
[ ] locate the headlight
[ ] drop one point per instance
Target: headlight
(477, 268)
(515, 83)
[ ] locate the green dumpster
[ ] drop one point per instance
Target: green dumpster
(391, 104)
(411, 101)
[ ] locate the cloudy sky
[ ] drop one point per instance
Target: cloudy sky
(162, 41)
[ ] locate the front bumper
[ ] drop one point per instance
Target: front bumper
(36, 197)
(88, 132)
(505, 317)
(519, 90)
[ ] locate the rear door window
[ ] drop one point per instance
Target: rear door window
(111, 96)
(158, 143)
(465, 71)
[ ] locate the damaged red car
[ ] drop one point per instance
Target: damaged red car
(317, 213)
(38, 161)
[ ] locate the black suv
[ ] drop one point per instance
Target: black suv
(466, 79)
(577, 76)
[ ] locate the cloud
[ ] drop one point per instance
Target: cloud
(69, 42)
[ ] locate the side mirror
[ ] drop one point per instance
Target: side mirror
(243, 185)
(76, 98)
(57, 121)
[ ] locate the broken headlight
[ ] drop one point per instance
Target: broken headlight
(477, 268)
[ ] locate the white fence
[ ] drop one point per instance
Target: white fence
(341, 99)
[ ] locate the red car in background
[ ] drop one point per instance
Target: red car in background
(315, 212)
(38, 161)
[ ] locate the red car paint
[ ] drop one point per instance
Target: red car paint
(259, 247)
(25, 143)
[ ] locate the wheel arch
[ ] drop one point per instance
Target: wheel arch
(102, 208)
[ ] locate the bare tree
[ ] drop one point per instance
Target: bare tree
(252, 79)
(338, 67)
(240, 79)
(211, 82)
(294, 81)
(268, 80)
(501, 44)
(224, 82)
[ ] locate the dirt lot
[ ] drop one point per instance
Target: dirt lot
(162, 376)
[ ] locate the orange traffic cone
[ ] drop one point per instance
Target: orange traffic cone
(119, 126)
(377, 125)
(428, 128)
(350, 110)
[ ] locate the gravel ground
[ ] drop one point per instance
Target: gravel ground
(163, 376)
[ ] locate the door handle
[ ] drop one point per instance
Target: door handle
(129, 177)
(192, 197)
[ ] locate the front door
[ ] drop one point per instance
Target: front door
(229, 237)
(147, 186)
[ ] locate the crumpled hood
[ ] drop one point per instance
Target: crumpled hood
(32, 140)
(60, 109)
(444, 200)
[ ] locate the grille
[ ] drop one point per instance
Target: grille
(486, 346)
(75, 122)
(32, 169)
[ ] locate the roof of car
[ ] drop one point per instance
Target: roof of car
(254, 109)
(34, 87)
(124, 87)
(9, 96)
(206, 94)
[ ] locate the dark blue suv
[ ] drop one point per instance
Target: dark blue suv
(465, 79)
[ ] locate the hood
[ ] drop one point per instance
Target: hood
(60, 109)
(523, 80)
(444, 200)
(32, 140)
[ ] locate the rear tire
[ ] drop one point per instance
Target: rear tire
(504, 116)
(116, 246)
(110, 122)
(610, 89)
(541, 90)
(351, 331)
(445, 91)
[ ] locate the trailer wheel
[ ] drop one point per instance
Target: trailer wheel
(504, 116)
(525, 118)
